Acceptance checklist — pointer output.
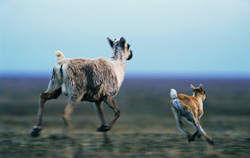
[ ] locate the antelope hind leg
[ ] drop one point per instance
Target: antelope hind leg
(49, 94)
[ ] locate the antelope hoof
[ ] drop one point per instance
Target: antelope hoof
(199, 135)
(210, 141)
(35, 131)
(190, 139)
(103, 128)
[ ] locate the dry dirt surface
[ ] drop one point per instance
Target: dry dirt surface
(146, 127)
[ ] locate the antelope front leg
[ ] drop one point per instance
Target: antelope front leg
(66, 119)
(196, 134)
(201, 131)
(111, 103)
(104, 127)
(193, 136)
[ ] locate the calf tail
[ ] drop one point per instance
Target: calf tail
(173, 94)
(176, 101)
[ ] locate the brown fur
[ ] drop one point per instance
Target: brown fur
(190, 108)
(95, 79)
(191, 103)
(81, 79)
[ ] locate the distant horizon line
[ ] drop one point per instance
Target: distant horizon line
(40, 74)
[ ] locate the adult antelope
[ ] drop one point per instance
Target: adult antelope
(90, 80)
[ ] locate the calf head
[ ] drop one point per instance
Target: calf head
(198, 91)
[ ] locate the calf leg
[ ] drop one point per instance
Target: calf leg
(43, 98)
(194, 135)
(201, 131)
(179, 123)
(104, 126)
(181, 126)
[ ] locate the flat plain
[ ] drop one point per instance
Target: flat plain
(146, 127)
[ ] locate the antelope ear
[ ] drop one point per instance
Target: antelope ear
(201, 87)
(122, 41)
(192, 87)
(111, 42)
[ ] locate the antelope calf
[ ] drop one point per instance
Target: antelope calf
(90, 80)
(190, 108)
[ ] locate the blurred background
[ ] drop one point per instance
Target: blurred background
(175, 43)
(168, 37)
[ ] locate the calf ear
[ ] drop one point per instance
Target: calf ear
(111, 42)
(122, 41)
(192, 87)
(201, 87)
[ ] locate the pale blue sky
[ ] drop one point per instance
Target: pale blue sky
(166, 36)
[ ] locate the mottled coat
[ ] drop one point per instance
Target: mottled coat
(93, 80)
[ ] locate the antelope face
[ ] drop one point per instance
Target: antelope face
(121, 44)
(199, 92)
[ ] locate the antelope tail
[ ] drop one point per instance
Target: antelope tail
(60, 57)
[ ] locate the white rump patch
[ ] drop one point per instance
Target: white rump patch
(177, 104)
